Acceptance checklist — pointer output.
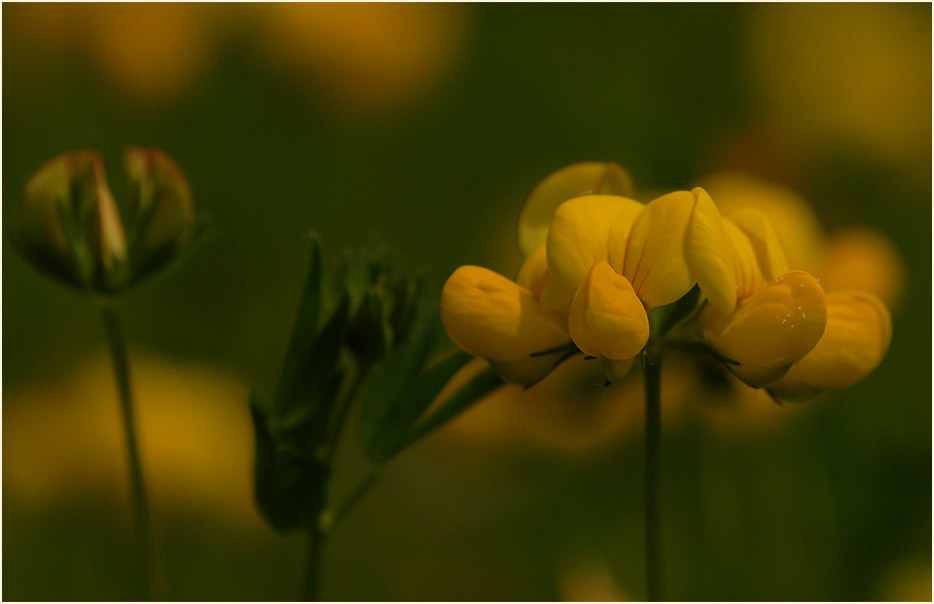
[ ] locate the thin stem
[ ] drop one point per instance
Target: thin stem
(315, 543)
(653, 512)
(351, 501)
(336, 427)
(142, 520)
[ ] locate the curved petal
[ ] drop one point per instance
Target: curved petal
(572, 181)
(607, 319)
(492, 317)
(858, 334)
(765, 244)
(656, 262)
(615, 371)
(583, 231)
(709, 253)
(532, 273)
(773, 329)
(748, 276)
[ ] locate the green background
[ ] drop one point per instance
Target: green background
(824, 511)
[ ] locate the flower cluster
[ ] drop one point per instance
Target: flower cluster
(600, 269)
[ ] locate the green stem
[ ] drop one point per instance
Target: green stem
(142, 520)
(653, 513)
(315, 544)
(351, 501)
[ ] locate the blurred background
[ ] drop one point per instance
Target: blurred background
(424, 127)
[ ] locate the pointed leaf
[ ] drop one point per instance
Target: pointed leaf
(401, 414)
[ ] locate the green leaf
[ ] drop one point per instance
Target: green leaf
(303, 339)
(308, 391)
(473, 391)
(289, 488)
(382, 406)
(389, 435)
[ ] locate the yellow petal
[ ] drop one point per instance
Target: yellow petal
(748, 276)
(607, 319)
(773, 329)
(532, 272)
(796, 224)
(710, 254)
(583, 231)
(572, 181)
(492, 317)
(769, 253)
(656, 262)
(858, 334)
(615, 371)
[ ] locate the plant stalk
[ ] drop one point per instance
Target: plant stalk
(145, 542)
(315, 547)
(653, 512)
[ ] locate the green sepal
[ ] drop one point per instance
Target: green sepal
(289, 488)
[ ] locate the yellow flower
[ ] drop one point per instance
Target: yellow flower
(787, 335)
(596, 263)
(195, 440)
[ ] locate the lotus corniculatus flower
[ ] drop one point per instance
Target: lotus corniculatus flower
(598, 264)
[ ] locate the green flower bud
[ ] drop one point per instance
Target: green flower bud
(69, 225)
(160, 213)
(383, 303)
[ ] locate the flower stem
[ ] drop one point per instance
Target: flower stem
(653, 513)
(315, 543)
(143, 524)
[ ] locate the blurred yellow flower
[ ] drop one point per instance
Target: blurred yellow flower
(151, 51)
(847, 74)
(62, 440)
(366, 56)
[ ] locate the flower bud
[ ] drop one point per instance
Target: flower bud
(383, 303)
(160, 215)
(69, 226)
